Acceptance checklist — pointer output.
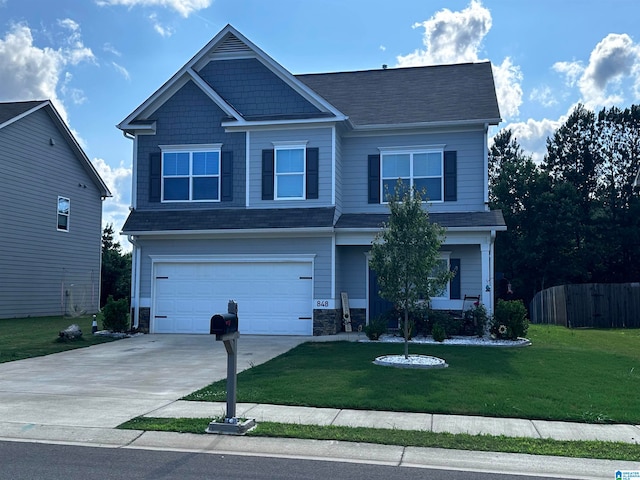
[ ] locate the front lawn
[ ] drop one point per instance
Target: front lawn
(573, 375)
(33, 337)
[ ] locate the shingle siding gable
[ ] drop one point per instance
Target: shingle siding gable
(254, 90)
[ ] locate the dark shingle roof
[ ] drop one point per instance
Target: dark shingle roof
(395, 96)
(490, 219)
(228, 219)
(9, 110)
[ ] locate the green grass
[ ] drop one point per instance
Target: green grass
(588, 376)
(22, 338)
(578, 449)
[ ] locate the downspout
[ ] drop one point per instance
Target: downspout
(135, 281)
(492, 269)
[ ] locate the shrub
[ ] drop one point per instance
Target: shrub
(376, 327)
(438, 332)
(510, 320)
(475, 321)
(450, 324)
(116, 315)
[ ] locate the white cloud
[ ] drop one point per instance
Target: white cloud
(28, 72)
(121, 70)
(115, 209)
(159, 28)
(183, 7)
(614, 60)
(532, 135)
(456, 37)
(544, 96)
(107, 47)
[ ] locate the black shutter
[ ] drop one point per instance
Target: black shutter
(312, 172)
(454, 285)
(374, 178)
(267, 175)
(155, 176)
(450, 176)
(226, 170)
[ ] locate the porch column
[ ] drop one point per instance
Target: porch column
(487, 275)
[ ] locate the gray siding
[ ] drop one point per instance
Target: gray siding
(339, 182)
(321, 247)
(252, 89)
(315, 137)
(351, 269)
(190, 117)
(43, 271)
(470, 163)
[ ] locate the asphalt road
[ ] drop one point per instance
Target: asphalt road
(35, 461)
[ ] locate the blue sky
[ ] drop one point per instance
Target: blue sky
(97, 60)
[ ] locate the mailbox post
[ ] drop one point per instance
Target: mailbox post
(225, 328)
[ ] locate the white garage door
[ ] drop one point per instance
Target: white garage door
(274, 298)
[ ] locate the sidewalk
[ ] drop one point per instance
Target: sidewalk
(472, 425)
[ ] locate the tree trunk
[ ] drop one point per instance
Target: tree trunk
(406, 332)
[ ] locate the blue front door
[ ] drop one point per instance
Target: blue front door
(378, 305)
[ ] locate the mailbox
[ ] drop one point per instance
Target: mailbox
(223, 323)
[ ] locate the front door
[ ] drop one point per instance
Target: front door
(378, 305)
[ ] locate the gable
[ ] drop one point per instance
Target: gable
(254, 91)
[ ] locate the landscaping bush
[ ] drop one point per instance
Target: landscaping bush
(450, 324)
(116, 315)
(438, 332)
(510, 320)
(475, 321)
(376, 327)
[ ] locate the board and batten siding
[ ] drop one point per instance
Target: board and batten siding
(189, 117)
(259, 247)
(44, 271)
(319, 138)
(469, 146)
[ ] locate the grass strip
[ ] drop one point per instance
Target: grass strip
(22, 338)
(408, 438)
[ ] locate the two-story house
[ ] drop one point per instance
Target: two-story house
(51, 216)
(253, 184)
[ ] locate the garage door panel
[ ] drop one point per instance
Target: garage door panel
(271, 296)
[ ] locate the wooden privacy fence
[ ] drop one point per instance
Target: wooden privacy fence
(595, 305)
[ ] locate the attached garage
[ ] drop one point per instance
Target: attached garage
(274, 296)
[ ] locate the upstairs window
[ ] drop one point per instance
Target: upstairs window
(191, 175)
(290, 164)
(63, 214)
(420, 169)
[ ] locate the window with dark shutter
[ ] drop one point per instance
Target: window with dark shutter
(312, 173)
(267, 174)
(155, 176)
(227, 177)
(450, 176)
(374, 178)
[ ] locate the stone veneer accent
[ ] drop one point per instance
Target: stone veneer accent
(329, 322)
(145, 319)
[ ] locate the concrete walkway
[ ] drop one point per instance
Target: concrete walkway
(80, 396)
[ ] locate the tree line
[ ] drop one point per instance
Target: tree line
(575, 217)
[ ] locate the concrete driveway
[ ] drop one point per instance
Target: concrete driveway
(105, 385)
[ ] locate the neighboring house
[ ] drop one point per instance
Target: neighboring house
(253, 184)
(51, 215)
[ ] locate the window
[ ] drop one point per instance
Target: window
(63, 214)
(443, 266)
(422, 169)
(191, 174)
(290, 164)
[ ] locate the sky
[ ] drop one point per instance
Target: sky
(98, 60)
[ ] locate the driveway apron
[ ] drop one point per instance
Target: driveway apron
(105, 385)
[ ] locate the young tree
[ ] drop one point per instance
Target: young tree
(116, 268)
(405, 255)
